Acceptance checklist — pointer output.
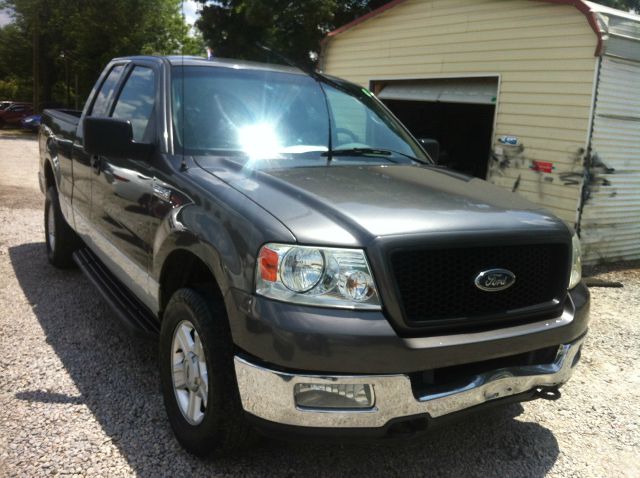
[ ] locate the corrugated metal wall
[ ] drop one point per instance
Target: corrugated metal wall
(611, 219)
(543, 52)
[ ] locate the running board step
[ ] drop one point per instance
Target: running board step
(138, 319)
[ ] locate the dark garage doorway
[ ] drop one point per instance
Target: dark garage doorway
(458, 113)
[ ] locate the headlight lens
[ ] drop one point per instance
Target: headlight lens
(329, 277)
(576, 262)
(302, 269)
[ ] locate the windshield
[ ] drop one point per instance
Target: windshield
(266, 115)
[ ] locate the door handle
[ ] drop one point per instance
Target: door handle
(96, 164)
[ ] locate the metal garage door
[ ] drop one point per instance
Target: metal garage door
(611, 218)
(482, 91)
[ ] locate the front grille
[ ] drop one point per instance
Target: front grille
(438, 285)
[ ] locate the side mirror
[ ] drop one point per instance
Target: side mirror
(113, 138)
(432, 147)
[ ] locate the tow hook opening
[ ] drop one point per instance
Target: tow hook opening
(548, 393)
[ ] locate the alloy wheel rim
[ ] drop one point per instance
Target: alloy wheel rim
(189, 372)
(51, 228)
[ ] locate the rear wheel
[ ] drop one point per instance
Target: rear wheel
(198, 378)
(60, 239)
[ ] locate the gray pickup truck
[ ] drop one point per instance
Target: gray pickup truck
(305, 265)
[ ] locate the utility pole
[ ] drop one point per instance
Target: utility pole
(71, 61)
(77, 91)
(36, 62)
(65, 57)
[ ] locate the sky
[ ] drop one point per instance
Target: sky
(190, 11)
(4, 18)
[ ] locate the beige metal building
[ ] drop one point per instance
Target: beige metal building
(540, 97)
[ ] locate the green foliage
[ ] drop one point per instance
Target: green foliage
(91, 33)
(233, 27)
(13, 61)
(8, 88)
(193, 44)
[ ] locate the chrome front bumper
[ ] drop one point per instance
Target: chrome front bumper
(269, 394)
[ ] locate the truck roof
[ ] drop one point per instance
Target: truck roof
(216, 62)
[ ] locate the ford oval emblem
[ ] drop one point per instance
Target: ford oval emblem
(494, 280)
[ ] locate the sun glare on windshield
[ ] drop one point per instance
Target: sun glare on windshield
(259, 141)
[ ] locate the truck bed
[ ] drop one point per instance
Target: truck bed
(68, 115)
(62, 122)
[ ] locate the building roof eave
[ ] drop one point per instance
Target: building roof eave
(592, 19)
(582, 6)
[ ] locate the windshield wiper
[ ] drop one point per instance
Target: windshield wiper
(368, 152)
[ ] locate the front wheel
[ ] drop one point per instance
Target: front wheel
(197, 375)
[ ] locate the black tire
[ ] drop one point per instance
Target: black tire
(65, 241)
(224, 428)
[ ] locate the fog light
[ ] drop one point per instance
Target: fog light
(316, 395)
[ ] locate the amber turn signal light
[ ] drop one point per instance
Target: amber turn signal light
(268, 260)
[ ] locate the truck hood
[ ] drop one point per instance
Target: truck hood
(351, 205)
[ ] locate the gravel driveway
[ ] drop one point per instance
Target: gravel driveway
(79, 396)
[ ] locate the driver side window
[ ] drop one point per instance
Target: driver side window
(103, 98)
(136, 101)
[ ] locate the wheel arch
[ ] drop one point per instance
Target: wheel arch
(49, 166)
(49, 175)
(193, 232)
(186, 267)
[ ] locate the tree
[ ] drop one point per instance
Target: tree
(64, 39)
(193, 44)
(15, 65)
(233, 27)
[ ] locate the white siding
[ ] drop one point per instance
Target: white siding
(543, 53)
(611, 217)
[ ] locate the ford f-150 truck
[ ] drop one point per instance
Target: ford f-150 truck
(303, 262)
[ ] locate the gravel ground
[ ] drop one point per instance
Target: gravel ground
(78, 396)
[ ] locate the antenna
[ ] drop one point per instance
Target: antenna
(309, 71)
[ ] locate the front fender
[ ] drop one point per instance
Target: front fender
(219, 225)
(173, 235)
(226, 239)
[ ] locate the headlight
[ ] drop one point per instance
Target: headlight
(321, 276)
(302, 269)
(576, 262)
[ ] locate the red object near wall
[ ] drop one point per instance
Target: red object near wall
(542, 166)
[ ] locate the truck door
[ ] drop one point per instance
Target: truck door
(83, 171)
(122, 187)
